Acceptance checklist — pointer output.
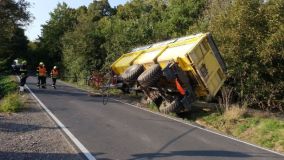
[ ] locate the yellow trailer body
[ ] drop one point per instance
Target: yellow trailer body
(149, 57)
(197, 55)
(122, 63)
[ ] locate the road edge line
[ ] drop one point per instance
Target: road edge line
(78, 144)
(195, 126)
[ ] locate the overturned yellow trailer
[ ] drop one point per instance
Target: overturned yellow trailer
(174, 73)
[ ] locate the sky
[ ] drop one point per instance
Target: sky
(40, 10)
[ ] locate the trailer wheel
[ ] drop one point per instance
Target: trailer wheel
(174, 107)
(125, 89)
(132, 72)
(150, 76)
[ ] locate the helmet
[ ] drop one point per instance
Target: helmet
(24, 62)
(41, 63)
(54, 67)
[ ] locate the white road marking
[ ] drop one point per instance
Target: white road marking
(195, 126)
(78, 144)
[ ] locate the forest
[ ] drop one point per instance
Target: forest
(249, 34)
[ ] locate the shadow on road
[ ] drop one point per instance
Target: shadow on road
(175, 139)
(193, 153)
(200, 153)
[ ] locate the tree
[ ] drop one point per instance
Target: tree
(182, 14)
(82, 51)
(250, 37)
(62, 19)
(134, 24)
(13, 15)
(272, 56)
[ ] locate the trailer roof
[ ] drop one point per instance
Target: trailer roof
(167, 42)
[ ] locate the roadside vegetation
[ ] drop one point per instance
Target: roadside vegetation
(13, 44)
(258, 128)
(7, 85)
(10, 103)
(9, 98)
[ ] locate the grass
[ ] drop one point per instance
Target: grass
(10, 101)
(261, 130)
(7, 85)
(152, 106)
(235, 112)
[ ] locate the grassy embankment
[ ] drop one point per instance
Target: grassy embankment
(257, 127)
(9, 98)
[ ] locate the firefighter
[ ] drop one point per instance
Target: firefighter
(16, 67)
(41, 72)
(54, 75)
(23, 75)
(37, 73)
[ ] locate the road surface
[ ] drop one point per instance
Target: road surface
(121, 131)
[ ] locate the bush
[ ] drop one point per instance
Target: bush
(250, 36)
(7, 85)
(10, 103)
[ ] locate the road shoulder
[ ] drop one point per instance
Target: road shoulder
(31, 134)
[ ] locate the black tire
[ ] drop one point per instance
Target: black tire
(174, 107)
(125, 89)
(132, 72)
(149, 77)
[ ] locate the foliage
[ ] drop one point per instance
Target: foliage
(266, 132)
(62, 20)
(13, 42)
(10, 103)
(7, 86)
(82, 50)
(182, 14)
(90, 38)
(36, 53)
(250, 37)
(9, 99)
(13, 14)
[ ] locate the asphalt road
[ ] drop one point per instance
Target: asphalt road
(120, 131)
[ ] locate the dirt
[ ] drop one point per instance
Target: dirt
(31, 134)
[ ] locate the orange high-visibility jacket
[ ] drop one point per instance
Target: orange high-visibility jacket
(42, 71)
(54, 73)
